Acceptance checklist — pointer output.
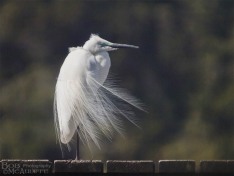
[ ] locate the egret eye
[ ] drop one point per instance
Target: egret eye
(102, 44)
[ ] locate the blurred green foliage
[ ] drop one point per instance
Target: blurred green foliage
(183, 71)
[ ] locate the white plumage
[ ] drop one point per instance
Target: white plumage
(86, 99)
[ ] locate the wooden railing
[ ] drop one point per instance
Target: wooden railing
(148, 167)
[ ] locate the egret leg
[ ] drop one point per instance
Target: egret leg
(77, 145)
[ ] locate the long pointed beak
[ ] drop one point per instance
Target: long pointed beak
(116, 45)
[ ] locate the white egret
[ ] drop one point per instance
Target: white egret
(83, 103)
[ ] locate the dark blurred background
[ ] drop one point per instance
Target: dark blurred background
(183, 72)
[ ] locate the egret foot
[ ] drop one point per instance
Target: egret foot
(77, 146)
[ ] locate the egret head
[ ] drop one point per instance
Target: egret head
(96, 44)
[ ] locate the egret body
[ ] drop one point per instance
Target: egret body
(83, 94)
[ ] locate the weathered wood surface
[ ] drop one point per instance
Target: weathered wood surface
(176, 166)
(141, 166)
(78, 166)
(185, 167)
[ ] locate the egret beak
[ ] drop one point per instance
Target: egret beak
(116, 45)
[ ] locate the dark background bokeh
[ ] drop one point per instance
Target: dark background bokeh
(183, 72)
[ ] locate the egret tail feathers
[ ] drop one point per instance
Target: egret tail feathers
(96, 109)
